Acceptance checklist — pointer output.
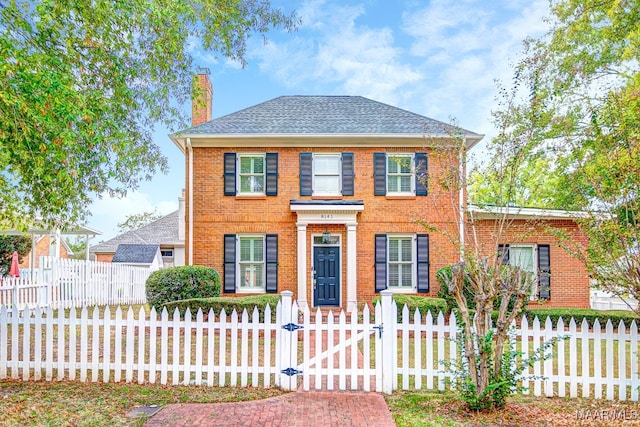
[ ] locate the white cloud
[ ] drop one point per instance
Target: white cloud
(108, 211)
(331, 49)
(467, 46)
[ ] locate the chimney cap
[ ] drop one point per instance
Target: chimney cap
(203, 70)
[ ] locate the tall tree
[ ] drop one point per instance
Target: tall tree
(82, 85)
(583, 104)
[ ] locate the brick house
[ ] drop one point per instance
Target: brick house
(322, 195)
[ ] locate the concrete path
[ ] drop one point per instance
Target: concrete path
(309, 409)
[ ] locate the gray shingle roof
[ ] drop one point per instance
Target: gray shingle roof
(142, 254)
(160, 232)
(323, 115)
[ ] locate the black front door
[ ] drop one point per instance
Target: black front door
(326, 285)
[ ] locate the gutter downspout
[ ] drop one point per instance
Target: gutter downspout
(190, 187)
(461, 207)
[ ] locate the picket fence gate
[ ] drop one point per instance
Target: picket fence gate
(66, 283)
(298, 348)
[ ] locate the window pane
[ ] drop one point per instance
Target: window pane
(399, 164)
(406, 275)
(327, 165)
(405, 184)
(251, 249)
(521, 256)
(393, 275)
(251, 184)
(327, 184)
(393, 250)
(406, 250)
(251, 276)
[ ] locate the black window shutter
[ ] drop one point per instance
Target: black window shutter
(381, 262)
(379, 174)
(347, 174)
(272, 174)
(229, 263)
(421, 174)
(229, 174)
(503, 254)
(306, 164)
(422, 257)
(544, 271)
(271, 257)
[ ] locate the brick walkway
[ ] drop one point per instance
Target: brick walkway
(316, 408)
(309, 409)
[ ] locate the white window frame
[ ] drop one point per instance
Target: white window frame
(414, 279)
(239, 277)
(315, 172)
(240, 176)
(534, 263)
(411, 174)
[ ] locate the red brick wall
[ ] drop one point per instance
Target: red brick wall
(43, 248)
(569, 278)
(104, 257)
(215, 214)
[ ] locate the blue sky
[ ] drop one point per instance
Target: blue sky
(437, 58)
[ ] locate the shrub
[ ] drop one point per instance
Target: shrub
(424, 304)
(228, 304)
(579, 314)
(178, 283)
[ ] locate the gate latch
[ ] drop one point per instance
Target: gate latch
(379, 328)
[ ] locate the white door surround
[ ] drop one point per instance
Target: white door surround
(327, 212)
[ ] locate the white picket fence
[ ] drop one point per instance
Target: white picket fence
(300, 349)
(65, 283)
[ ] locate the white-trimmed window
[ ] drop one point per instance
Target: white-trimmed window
(400, 174)
(400, 258)
(402, 262)
(326, 174)
(251, 174)
(251, 263)
(532, 258)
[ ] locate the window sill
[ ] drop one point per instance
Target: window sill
(403, 291)
(326, 197)
(400, 196)
(254, 291)
(251, 197)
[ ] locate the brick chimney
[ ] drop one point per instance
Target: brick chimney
(202, 102)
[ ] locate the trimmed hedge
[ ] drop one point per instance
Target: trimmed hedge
(413, 302)
(579, 314)
(228, 304)
(179, 283)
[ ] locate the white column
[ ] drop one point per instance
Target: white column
(352, 267)
(302, 264)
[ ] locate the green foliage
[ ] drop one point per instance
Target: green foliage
(9, 244)
(229, 304)
(579, 314)
(423, 304)
(179, 283)
(84, 83)
(500, 384)
(444, 276)
(575, 106)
